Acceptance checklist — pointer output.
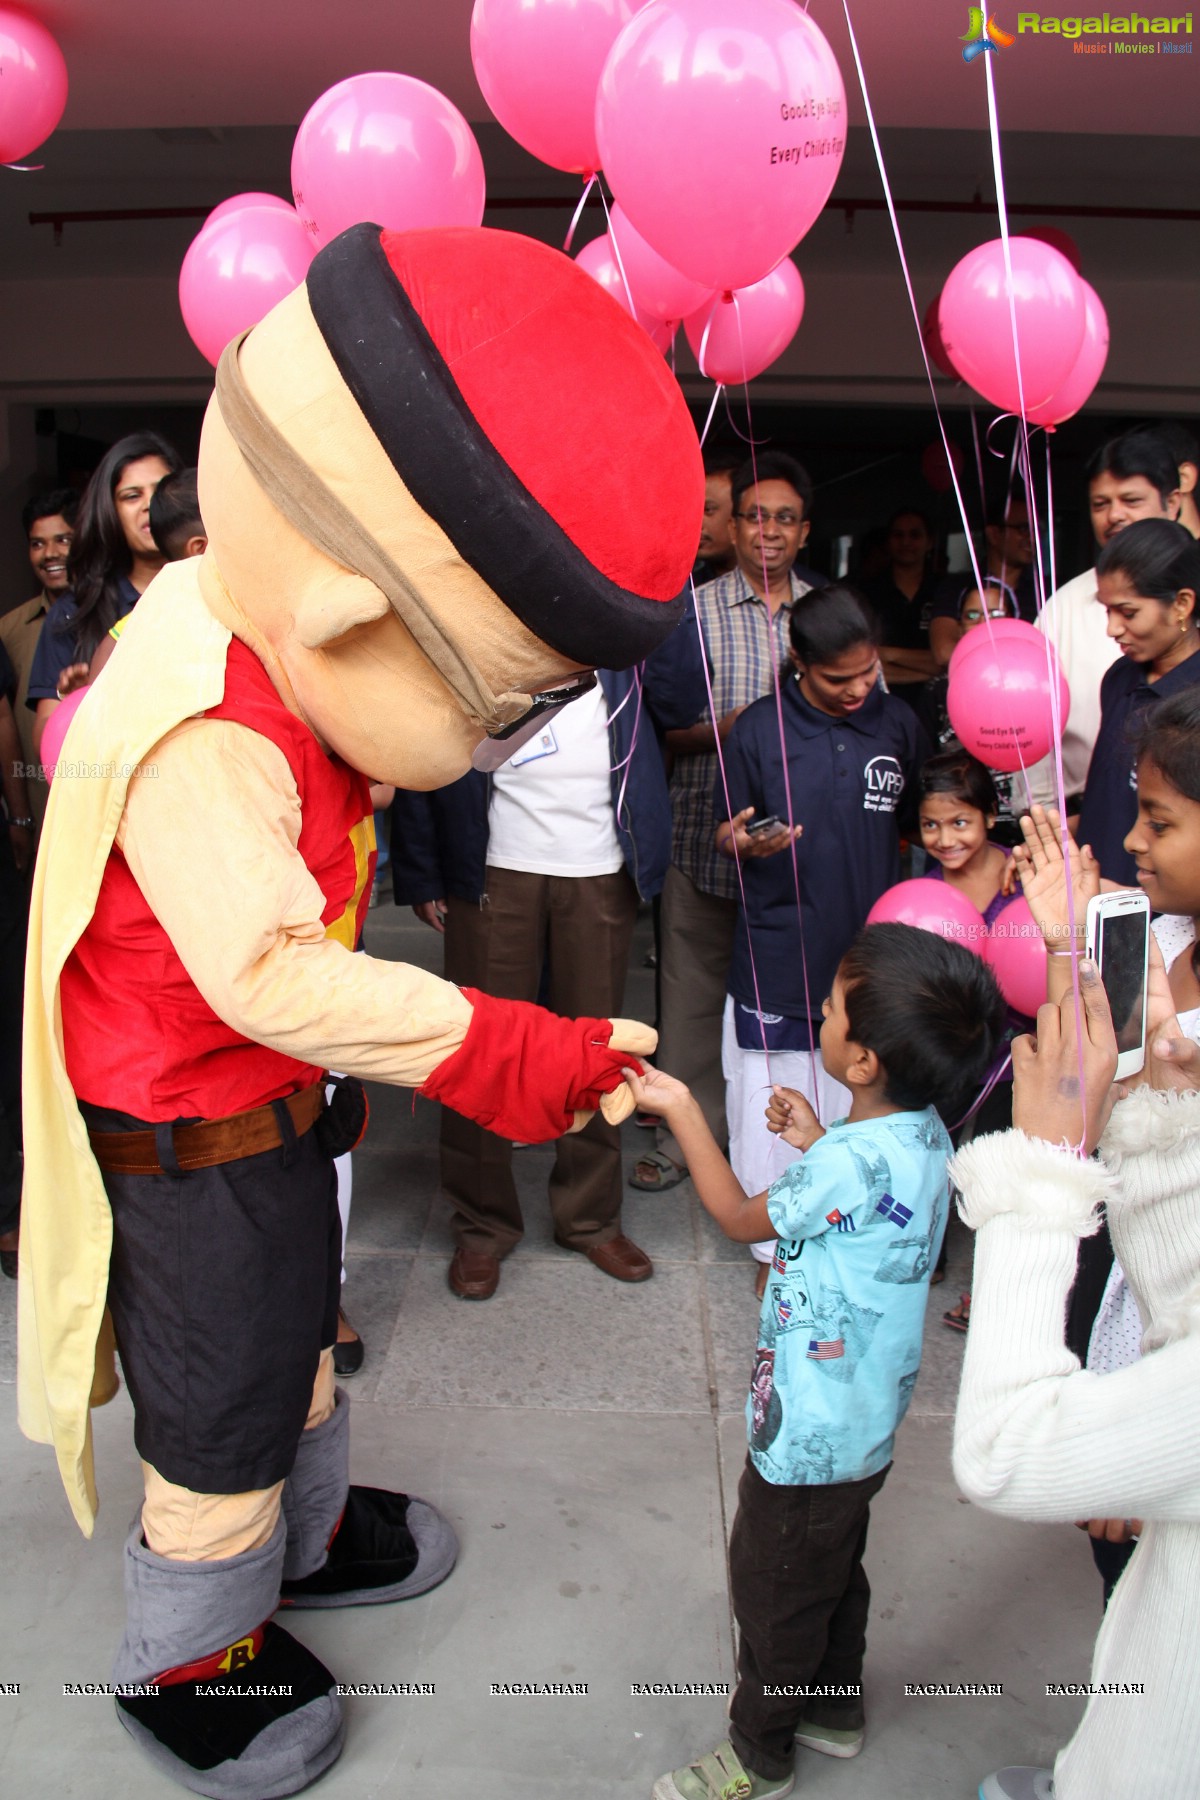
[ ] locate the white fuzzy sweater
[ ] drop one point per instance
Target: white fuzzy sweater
(1040, 1438)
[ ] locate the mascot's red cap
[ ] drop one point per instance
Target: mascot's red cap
(528, 415)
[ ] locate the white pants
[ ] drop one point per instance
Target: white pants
(756, 1155)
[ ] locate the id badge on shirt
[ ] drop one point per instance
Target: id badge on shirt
(543, 744)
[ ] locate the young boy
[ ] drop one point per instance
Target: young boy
(911, 1025)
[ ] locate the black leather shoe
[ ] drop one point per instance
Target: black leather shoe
(348, 1355)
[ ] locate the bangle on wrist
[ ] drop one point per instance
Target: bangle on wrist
(27, 823)
(1073, 952)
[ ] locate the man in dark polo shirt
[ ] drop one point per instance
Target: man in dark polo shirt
(903, 600)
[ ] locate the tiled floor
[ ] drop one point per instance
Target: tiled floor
(586, 1439)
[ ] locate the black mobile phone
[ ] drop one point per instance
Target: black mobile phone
(763, 827)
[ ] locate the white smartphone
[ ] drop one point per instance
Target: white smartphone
(1118, 942)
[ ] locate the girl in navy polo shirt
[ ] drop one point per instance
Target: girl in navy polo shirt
(1148, 577)
(853, 752)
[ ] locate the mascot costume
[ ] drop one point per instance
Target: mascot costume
(443, 481)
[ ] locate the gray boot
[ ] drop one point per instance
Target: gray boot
(248, 1713)
(355, 1546)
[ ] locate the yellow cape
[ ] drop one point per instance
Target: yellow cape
(171, 666)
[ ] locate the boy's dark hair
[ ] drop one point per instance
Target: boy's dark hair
(956, 772)
(175, 513)
(773, 465)
(57, 503)
(1157, 557)
(1139, 452)
(931, 1011)
(828, 621)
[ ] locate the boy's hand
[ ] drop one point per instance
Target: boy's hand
(790, 1117)
(656, 1092)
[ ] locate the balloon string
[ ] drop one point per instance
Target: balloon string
(978, 461)
(783, 752)
(895, 223)
(589, 184)
(737, 861)
(702, 352)
(626, 762)
(720, 389)
(912, 299)
(993, 1081)
(616, 250)
(733, 426)
(1002, 208)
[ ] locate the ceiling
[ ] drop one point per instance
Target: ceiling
(226, 62)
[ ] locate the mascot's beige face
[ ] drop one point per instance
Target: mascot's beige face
(335, 648)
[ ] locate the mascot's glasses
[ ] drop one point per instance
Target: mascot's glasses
(499, 745)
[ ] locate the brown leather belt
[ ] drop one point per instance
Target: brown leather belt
(212, 1141)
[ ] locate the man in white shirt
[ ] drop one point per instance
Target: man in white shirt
(534, 875)
(1131, 477)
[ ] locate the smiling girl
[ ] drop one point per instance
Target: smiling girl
(1148, 577)
(957, 811)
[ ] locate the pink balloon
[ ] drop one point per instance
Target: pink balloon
(976, 323)
(389, 149)
(598, 261)
(999, 700)
(747, 333)
(992, 630)
(1015, 952)
(931, 906)
(538, 63)
(56, 730)
(33, 84)
(721, 130)
(236, 202)
(236, 269)
(657, 288)
(1076, 390)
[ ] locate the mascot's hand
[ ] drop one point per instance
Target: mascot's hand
(525, 1073)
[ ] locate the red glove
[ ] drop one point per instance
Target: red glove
(524, 1073)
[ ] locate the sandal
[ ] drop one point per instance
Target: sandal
(720, 1776)
(655, 1172)
(959, 1317)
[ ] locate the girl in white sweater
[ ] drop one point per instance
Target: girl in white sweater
(1039, 1438)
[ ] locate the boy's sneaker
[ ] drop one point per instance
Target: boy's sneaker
(828, 1740)
(1024, 1783)
(719, 1776)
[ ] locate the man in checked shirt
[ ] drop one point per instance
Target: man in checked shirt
(744, 619)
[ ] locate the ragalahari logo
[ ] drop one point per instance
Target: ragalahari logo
(979, 36)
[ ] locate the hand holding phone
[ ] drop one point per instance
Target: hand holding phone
(1118, 941)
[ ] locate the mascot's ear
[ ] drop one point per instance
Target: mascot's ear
(338, 608)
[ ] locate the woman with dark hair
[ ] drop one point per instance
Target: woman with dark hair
(113, 560)
(853, 752)
(1148, 577)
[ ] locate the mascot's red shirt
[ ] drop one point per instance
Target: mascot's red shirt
(139, 1038)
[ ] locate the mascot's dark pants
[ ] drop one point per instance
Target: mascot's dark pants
(224, 1291)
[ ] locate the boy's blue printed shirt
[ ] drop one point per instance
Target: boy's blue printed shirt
(860, 1220)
